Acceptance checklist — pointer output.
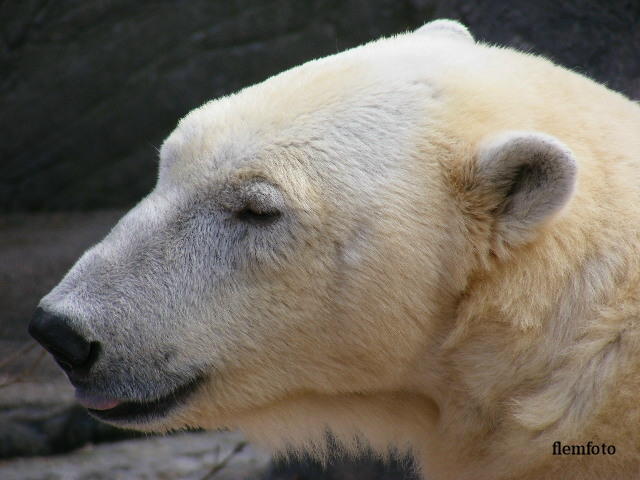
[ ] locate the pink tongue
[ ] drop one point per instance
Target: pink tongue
(95, 402)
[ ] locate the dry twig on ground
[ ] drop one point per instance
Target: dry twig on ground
(224, 462)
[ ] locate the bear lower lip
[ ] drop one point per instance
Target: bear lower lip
(140, 411)
(95, 402)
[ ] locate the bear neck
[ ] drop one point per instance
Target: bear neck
(543, 348)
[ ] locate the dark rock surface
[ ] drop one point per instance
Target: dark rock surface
(30, 430)
(186, 456)
(598, 38)
(90, 88)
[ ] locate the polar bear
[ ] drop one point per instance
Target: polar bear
(425, 245)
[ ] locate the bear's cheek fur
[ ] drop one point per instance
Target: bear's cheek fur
(314, 324)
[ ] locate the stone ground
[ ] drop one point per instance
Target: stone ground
(189, 456)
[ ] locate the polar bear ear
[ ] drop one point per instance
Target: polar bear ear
(528, 176)
(449, 28)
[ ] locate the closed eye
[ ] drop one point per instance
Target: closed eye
(257, 217)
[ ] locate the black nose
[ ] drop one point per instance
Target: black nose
(55, 333)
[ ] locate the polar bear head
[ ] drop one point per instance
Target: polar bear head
(301, 261)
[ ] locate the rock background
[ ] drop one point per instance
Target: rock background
(88, 91)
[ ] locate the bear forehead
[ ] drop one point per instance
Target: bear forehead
(387, 80)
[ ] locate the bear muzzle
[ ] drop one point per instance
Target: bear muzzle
(76, 355)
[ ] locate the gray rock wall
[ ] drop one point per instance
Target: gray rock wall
(89, 88)
(599, 38)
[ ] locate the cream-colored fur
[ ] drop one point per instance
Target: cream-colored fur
(534, 344)
(425, 299)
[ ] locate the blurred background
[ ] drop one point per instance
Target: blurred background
(88, 91)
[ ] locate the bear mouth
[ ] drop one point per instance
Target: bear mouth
(148, 410)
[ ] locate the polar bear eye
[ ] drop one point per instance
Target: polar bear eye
(255, 202)
(257, 216)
